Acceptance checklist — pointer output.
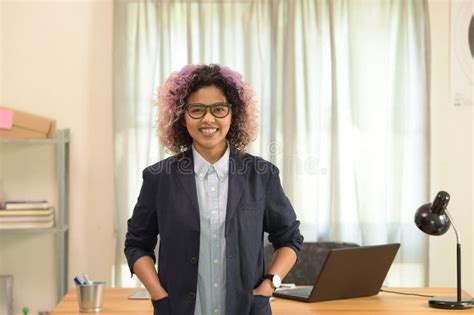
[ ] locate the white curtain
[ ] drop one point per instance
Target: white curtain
(342, 88)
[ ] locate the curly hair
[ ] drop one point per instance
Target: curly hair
(173, 95)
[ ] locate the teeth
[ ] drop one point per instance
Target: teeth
(208, 130)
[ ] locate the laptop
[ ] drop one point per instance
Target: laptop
(347, 273)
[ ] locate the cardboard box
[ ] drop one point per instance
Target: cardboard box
(26, 125)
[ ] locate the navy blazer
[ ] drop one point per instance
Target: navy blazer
(168, 206)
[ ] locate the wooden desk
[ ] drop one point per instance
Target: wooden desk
(116, 302)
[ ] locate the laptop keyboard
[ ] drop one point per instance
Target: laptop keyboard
(299, 292)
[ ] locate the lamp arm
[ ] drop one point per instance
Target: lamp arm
(458, 238)
(458, 258)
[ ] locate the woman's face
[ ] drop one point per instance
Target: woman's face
(208, 133)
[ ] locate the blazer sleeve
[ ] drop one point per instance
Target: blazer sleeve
(142, 229)
(280, 218)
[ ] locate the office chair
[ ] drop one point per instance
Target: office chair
(310, 262)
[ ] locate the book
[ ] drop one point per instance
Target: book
(31, 212)
(13, 205)
(26, 218)
(26, 225)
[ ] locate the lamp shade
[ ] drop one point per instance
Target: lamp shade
(432, 218)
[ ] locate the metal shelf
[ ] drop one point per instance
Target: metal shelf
(26, 231)
(61, 228)
(61, 136)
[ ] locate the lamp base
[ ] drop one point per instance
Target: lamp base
(450, 302)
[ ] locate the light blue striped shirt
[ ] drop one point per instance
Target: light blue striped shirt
(212, 188)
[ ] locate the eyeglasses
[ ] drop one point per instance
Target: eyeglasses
(218, 110)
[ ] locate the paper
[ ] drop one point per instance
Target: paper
(462, 52)
(6, 119)
(139, 295)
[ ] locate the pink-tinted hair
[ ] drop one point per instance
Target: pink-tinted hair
(174, 92)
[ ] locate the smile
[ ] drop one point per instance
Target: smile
(208, 131)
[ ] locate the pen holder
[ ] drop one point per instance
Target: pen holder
(90, 296)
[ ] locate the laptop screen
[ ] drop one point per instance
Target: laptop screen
(349, 272)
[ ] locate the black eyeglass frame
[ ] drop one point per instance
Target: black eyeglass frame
(211, 108)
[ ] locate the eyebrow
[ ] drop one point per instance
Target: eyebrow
(208, 104)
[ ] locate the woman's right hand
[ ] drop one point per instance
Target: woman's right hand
(159, 296)
(145, 270)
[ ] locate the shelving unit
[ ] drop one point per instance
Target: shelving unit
(61, 226)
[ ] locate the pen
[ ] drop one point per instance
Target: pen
(86, 279)
(78, 280)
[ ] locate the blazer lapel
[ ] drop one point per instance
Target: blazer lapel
(236, 185)
(185, 174)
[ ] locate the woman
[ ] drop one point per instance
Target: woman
(210, 203)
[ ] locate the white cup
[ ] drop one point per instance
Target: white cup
(6, 294)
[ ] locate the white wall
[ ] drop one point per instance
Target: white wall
(1, 92)
(56, 59)
(452, 144)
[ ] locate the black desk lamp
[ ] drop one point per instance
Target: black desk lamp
(434, 219)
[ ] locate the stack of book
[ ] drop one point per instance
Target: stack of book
(26, 215)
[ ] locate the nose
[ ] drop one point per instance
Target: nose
(208, 117)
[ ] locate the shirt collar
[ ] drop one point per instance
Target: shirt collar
(202, 167)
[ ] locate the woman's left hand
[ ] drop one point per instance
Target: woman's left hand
(265, 288)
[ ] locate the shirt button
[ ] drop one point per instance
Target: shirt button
(216, 285)
(214, 236)
(194, 260)
(216, 261)
(214, 212)
(216, 311)
(213, 188)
